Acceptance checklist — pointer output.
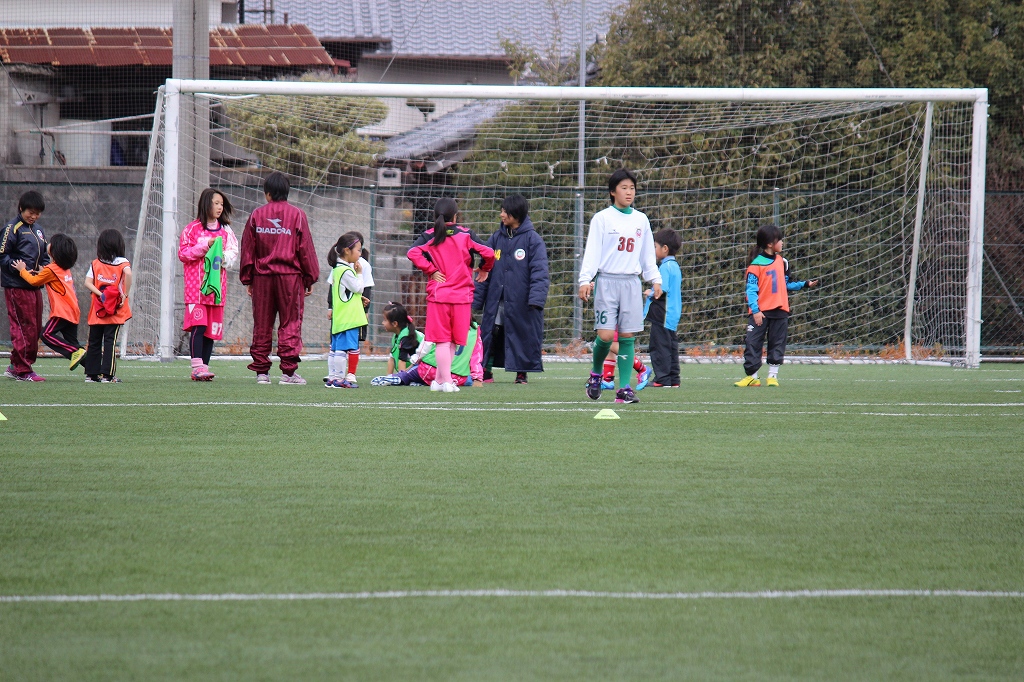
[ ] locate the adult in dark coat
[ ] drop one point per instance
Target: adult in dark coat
(513, 296)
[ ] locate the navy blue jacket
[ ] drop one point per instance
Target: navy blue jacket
(19, 241)
(520, 278)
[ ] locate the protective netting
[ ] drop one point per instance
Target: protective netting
(840, 179)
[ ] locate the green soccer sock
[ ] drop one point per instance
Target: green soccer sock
(601, 349)
(627, 352)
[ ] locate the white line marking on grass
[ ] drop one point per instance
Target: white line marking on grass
(499, 593)
(576, 407)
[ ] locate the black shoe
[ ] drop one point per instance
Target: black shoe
(594, 386)
(520, 377)
(626, 395)
(488, 375)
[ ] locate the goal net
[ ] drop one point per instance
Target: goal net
(878, 193)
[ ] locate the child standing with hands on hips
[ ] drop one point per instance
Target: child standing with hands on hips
(61, 330)
(768, 284)
(207, 248)
(447, 260)
(109, 279)
(345, 308)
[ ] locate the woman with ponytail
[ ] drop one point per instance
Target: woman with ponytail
(447, 260)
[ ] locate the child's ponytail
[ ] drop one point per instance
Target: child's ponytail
(396, 313)
(344, 243)
(445, 211)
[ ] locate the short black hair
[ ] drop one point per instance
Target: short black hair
(64, 251)
(31, 200)
(110, 245)
(618, 176)
(516, 206)
(277, 186)
(670, 238)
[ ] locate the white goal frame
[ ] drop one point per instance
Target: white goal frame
(175, 89)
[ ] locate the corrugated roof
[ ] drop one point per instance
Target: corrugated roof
(246, 45)
(443, 133)
(450, 27)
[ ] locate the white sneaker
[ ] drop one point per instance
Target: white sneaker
(449, 388)
(294, 380)
(434, 386)
(262, 378)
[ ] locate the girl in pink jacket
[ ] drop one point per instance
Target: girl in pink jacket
(207, 249)
(447, 260)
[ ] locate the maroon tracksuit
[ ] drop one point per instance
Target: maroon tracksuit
(278, 261)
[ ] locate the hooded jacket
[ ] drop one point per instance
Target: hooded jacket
(520, 280)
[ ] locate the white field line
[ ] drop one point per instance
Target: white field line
(533, 407)
(499, 593)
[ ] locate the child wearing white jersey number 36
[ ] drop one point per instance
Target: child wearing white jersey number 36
(620, 250)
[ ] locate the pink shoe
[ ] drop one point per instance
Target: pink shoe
(202, 373)
(30, 376)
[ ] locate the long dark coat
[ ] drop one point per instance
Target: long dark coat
(520, 278)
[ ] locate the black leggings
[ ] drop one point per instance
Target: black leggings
(99, 356)
(200, 346)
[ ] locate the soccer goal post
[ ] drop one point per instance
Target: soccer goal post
(879, 193)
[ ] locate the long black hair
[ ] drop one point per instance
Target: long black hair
(397, 314)
(445, 211)
(766, 236)
(206, 207)
(346, 241)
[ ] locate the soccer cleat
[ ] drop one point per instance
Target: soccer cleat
(30, 376)
(607, 385)
(202, 373)
(350, 379)
(643, 378)
(92, 379)
(335, 383)
(292, 380)
(594, 386)
(262, 378)
(387, 380)
(110, 380)
(76, 359)
(748, 381)
(772, 381)
(521, 377)
(626, 395)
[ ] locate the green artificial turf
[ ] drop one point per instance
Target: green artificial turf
(846, 477)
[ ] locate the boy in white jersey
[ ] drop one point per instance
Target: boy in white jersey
(620, 249)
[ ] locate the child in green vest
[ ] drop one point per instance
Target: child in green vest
(345, 306)
(467, 365)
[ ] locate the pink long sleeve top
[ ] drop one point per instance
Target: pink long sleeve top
(453, 258)
(192, 247)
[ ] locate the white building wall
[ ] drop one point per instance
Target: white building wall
(106, 13)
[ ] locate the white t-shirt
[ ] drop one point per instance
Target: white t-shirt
(117, 261)
(619, 244)
(367, 273)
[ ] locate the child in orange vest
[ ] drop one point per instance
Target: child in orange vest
(61, 330)
(109, 279)
(768, 287)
